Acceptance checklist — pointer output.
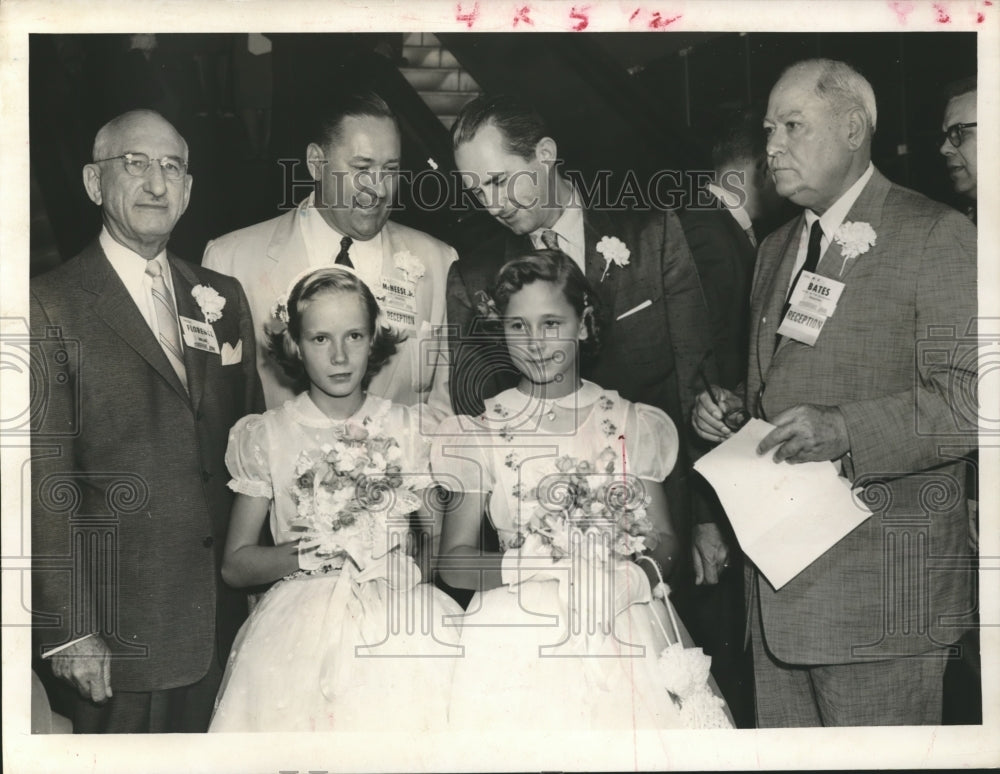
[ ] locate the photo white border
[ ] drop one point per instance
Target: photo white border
(939, 746)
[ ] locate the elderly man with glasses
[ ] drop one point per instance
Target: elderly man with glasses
(145, 362)
(958, 143)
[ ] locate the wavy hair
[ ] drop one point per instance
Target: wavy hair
(282, 342)
(558, 268)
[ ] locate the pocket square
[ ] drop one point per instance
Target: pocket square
(634, 309)
(232, 355)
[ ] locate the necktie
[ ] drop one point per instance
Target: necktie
(751, 236)
(342, 257)
(166, 319)
(550, 239)
(812, 260)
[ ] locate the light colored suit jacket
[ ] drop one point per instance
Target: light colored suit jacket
(265, 257)
(898, 358)
(130, 506)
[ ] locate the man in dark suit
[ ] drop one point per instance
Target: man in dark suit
(153, 363)
(655, 326)
(722, 226)
(958, 143)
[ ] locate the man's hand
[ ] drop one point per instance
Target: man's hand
(87, 667)
(707, 417)
(807, 434)
(710, 552)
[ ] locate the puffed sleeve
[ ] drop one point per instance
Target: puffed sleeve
(246, 457)
(650, 442)
(459, 463)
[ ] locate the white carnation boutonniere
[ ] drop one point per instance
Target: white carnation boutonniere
(854, 239)
(411, 266)
(209, 301)
(614, 252)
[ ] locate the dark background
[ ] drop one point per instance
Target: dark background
(619, 101)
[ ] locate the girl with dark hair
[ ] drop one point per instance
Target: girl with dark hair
(570, 628)
(340, 474)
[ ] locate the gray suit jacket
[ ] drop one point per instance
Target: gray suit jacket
(130, 503)
(898, 358)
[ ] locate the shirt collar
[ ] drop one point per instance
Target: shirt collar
(323, 243)
(735, 209)
(569, 226)
(128, 263)
(831, 220)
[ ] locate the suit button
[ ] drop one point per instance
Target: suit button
(205, 475)
(208, 542)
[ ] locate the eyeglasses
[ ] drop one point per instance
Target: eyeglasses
(956, 133)
(137, 164)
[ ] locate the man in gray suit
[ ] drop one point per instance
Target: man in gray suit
(153, 362)
(860, 637)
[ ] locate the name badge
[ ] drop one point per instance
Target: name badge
(199, 335)
(400, 303)
(802, 326)
(816, 294)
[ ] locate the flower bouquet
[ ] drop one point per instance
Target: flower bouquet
(584, 497)
(347, 493)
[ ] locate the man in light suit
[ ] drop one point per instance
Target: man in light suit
(355, 159)
(152, 364)
(655, 332)
(860, 637)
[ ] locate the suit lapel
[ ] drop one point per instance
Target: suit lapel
(287, 249)
(595, 226)
(115, 306)
(867, 208)
(195, 360)
(777, 290)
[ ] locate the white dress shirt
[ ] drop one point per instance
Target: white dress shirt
(131, 269)
(569, 229)
(829, 222)
(323, 245)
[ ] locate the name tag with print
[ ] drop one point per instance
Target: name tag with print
(816, 294)
(399, 303)
(802, 326)
(198, 335)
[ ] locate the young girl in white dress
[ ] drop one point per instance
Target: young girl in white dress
(332, 645)
(565, 631)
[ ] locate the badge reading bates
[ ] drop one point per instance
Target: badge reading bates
(400, 304)
(813, 301)
(199, 335)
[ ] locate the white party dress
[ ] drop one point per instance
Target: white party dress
(543, 654)
(327, 651)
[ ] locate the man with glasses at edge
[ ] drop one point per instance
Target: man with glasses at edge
(128, 444)
(958, 143)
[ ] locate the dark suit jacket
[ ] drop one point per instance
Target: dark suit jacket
(898, 357)
(651, 355)
(130, 503)
(725, 259)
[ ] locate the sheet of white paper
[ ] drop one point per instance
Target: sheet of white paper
(785, 516)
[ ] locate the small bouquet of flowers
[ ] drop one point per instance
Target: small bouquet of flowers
(584, 497)
(346, 493)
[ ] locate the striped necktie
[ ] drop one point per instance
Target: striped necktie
(166, 319)
(550, 239)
